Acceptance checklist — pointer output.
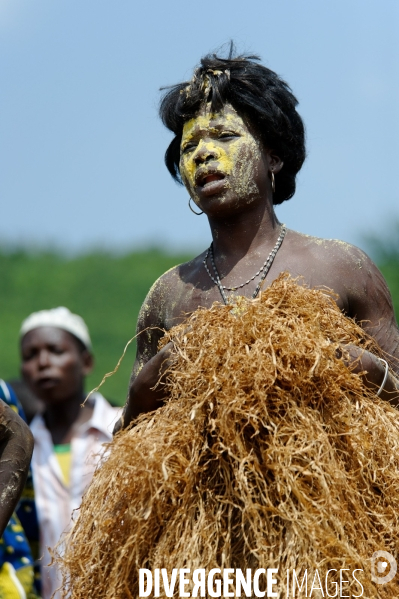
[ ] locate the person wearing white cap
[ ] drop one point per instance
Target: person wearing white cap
(56, 356)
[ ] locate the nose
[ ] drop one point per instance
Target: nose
(205, 153)
(44, 358)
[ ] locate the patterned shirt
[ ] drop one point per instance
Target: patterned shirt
(55, 501)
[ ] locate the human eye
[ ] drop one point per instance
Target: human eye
(186, 149)
(228, 135)
(28, 355)
(57, 350)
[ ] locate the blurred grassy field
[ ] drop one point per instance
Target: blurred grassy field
(107, 290)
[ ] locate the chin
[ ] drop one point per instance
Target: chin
(51, 397)
(227, 206)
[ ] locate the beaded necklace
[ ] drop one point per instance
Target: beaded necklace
(264, 269)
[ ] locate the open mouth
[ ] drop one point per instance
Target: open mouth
(46, 382)
(209, 178)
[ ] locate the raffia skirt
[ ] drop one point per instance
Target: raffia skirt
(270, 453)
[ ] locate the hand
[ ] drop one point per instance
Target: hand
(118, 426)
(354, 357)
(147, 390)
(362, 361)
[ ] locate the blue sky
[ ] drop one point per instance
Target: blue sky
(81, 145)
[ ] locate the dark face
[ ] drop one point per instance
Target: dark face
(221, 162)
(53, 364)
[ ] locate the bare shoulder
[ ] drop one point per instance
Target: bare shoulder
(332, 250)
(355, 269)
(350, 272)
(157, 313)
(166, 296)
(333, 263)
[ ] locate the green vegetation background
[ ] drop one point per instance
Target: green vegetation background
(107, 290)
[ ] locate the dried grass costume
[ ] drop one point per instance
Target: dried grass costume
(269, 453)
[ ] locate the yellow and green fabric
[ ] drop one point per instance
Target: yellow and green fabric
(16, 571)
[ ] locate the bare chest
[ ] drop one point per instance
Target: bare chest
(201, 292)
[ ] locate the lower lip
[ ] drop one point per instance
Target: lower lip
(212, 188)
(47, 383)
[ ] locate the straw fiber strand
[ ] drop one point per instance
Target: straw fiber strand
(269, 453)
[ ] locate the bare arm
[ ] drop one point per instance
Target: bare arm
(149, 364)
(370, 303)
(16, 446)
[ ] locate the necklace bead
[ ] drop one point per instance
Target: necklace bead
(264, 269)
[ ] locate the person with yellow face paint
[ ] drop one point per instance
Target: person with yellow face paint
(239, 143)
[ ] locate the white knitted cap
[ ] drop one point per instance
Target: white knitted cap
(61, 318)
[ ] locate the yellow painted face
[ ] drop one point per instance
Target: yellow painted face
(219, 156)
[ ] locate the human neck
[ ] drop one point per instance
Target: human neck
(61, 418)
(244, 233)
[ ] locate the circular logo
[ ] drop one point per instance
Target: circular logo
(383, 567)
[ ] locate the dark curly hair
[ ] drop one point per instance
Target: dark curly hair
(258, 94)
